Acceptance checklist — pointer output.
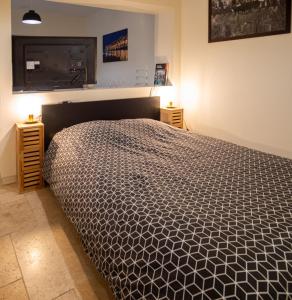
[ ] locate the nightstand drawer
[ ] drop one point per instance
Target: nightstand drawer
(172, 116)
(176, 119)
(32, 179)
(30, 138)
(31, 159)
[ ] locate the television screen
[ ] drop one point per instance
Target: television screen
(47, 63)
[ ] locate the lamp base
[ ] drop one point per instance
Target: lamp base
(31, 119)
(170, 105)
(31, 122)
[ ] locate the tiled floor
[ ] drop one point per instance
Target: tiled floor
(41, 256)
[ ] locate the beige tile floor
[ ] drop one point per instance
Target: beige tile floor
(41, 256)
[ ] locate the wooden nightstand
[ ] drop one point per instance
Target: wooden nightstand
(30, 155)
(172, 116)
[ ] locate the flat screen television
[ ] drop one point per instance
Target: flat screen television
(48, 63)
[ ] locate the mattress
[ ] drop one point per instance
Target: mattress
(168, 214)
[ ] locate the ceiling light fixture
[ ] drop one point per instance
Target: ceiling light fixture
(32, 18)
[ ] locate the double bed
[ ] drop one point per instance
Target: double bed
(168, 214)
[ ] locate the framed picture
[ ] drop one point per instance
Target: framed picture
(239, 19)
(115, 46)
(161, 72)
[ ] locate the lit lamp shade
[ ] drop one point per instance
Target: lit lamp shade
(31, 17)
(167, 95)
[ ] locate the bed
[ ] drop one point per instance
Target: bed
(168, 214)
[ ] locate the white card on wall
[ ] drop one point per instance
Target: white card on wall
(30, 65)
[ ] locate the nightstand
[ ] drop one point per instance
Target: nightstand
(29, 155)
(172, 116)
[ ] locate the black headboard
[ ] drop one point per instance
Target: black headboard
(59, 116)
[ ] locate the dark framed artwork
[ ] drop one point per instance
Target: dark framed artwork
(115, 46)
(161, 73)
(239, 19)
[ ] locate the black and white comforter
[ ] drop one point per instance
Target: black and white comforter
(167, 214)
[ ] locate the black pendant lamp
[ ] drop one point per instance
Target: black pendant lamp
(31, 17)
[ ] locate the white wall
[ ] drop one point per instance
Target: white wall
(54, 24)
(14, 108)
(97, 23)
(140, 48)
(6, 108)
(239, 90)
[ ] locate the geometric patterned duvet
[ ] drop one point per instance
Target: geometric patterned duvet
(168, 214)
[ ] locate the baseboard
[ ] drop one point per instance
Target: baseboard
(8, 180)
